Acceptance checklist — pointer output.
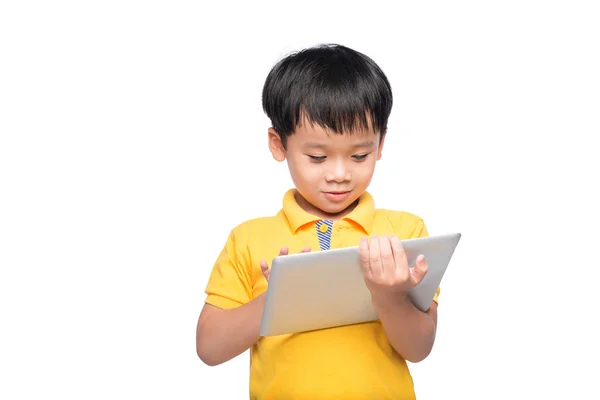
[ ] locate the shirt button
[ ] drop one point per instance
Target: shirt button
(324, 228)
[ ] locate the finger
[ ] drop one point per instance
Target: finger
(399, 253)
(417, 273)
(388, 265)
(265, 269)
(284, 251)
(375, 256)
(305, 250)
(363, 251)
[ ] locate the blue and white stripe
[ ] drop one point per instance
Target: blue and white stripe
(324, 237)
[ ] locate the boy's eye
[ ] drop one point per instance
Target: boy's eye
(360, 157)
(317, 158)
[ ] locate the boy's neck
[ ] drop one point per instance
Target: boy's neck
(309, 208)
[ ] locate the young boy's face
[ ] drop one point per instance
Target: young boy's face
(330, 171)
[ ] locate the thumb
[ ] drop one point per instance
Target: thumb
(418, 272)
(265, 269)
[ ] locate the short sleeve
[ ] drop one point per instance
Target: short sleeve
(420, 230)
(436, 295)
(230, 283)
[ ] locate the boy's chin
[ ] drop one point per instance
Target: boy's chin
(334, 208)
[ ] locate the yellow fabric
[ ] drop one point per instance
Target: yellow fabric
(351, 362)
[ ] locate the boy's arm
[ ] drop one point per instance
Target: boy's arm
(410, 331)
(227, 325)
(223, 334)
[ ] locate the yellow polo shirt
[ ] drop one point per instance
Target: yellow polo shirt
(349, 362)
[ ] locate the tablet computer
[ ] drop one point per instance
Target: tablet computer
(325, 289)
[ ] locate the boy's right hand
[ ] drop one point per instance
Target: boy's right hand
(264, 267)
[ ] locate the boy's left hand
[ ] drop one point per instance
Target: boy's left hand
(386, 269)
(283, 252)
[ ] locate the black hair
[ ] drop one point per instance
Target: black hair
(330, 85)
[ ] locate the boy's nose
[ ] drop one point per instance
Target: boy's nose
(338, 173)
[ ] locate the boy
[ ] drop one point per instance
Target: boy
(329, 107)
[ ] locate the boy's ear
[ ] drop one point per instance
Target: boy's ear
(381, 142)
(276, 145)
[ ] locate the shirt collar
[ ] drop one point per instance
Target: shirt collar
(363, 214)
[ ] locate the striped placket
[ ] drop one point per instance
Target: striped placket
(324, 228)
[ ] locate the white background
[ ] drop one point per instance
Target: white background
(133, 139)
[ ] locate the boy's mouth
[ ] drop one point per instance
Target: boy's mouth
(337, 195)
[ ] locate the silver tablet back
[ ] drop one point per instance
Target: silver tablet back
(325, 289)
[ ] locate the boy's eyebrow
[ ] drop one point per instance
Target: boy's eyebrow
(368, 143)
